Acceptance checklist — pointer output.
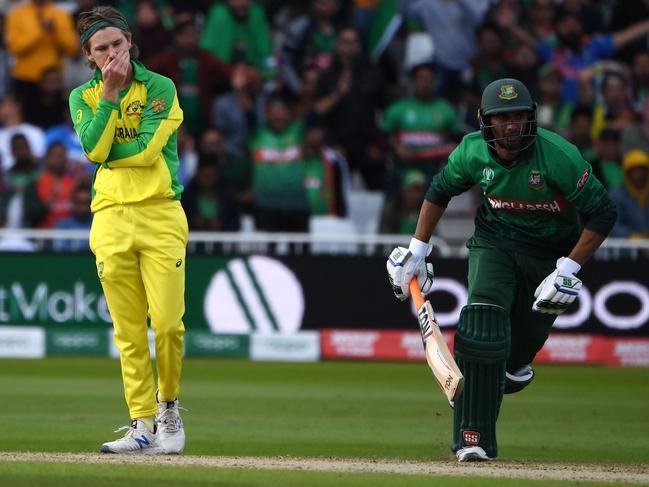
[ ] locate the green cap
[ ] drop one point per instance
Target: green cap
(506, 95)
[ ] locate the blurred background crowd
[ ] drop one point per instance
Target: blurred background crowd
(291, 107)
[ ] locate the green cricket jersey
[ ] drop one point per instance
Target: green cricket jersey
(533, 206)
(278, 174)
(319, 180)
(133, 141)
(421, 126)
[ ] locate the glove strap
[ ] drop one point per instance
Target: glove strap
(568, 267)
(420, 249)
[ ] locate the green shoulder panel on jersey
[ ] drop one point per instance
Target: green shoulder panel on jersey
(457, 176)
(93, 120)
(574, 177)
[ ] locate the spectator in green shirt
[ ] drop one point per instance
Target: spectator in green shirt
(423, 129)
(237, 31)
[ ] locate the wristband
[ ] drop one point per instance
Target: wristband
(419, 249)
(568, 266)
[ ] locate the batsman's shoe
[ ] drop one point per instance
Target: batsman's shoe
(171, 432)
(137, 440)
(472, 454)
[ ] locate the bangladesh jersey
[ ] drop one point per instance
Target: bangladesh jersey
(421, 126)
(133, 141)
(533, 206)
(278, 173)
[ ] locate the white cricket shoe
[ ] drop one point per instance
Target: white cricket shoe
(137, 440)
(472, 454)
(171, 432)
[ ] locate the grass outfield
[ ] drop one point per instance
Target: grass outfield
(329, 409)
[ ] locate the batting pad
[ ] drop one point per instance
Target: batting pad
(481, 347)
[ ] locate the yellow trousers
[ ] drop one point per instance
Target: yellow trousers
(140, 256)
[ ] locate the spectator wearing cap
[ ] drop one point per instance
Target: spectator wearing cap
(196, 72)
(400, 215)
(632, 199)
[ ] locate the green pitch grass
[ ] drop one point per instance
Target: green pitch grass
(328, 409)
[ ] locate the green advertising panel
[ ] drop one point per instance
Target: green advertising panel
(80, 342)
(42, 289)
(205, 344)
(62, 291)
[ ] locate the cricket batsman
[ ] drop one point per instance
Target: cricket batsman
(126, 118)
(542, 216)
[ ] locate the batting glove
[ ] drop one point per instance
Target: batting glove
(559, 289)
(404, 263)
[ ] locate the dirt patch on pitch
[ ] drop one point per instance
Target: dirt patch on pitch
(514, 470)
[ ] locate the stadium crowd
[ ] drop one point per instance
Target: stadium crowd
(289, 105)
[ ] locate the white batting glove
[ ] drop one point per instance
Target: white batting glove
(404, 263)
(559, 289)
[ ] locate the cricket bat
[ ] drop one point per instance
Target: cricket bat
(439, 357)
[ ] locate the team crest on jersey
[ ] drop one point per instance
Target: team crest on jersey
(535, 181)
(488, 176)
(134, 108)
(507, 92)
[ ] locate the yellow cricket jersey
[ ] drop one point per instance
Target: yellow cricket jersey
(133, 141)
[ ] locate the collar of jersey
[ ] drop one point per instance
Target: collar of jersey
(140, 73)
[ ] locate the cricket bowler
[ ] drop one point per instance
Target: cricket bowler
(541, 217)
(126, 118)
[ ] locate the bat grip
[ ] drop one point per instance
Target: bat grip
(415, 292)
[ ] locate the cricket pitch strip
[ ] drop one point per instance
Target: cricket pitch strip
(619, 474)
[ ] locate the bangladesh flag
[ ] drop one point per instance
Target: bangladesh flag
(386, 21)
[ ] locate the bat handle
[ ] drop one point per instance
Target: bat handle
(417, 297)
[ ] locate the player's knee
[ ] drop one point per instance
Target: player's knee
(482, 333)
(168, 329)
